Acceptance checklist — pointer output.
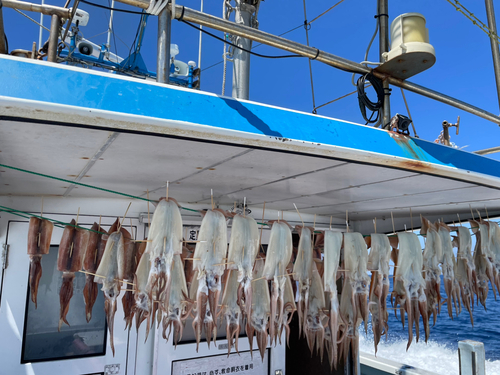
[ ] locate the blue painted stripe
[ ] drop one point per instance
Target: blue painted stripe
(49, 83)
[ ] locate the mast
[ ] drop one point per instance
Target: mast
(110, 26)
(383, 21)
(40, 41)
(163, 58)
(492, 25)
(245, 14)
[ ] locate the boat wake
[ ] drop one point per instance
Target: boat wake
(433, 356)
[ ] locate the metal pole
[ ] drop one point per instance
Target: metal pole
(201, 34)
(3, 45)
(163, 58)
(487, 151)
(241, 65)
(40, 35)
(53, 38)
(471, 357)
(383, 21)
(110, 26)
(490, 12)
(446, 134)
(30, 7)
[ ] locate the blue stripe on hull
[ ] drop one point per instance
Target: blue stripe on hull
(49, 83)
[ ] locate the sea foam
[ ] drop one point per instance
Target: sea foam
(435, 357)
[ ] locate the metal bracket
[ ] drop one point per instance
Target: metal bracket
(5, 256)
(446, 133)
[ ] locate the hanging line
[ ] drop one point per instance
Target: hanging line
(307, 27)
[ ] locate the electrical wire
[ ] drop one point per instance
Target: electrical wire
(241, 48)
(109, 8)
(256, 46)
(365, 103)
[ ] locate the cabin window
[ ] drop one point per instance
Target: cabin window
(42, 341)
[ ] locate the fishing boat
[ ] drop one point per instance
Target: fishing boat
(92, 146)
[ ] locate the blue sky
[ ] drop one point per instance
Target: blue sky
(464, 68)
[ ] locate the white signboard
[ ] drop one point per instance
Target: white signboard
(222, 365)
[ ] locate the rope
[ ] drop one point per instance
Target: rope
(409, 114)
(476, 21)
(59, 224)
(62, 224)
(309, 60)
(86, 185)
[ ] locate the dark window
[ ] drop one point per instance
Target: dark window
(42, 341)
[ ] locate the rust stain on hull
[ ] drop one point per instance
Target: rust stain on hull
(409, 147)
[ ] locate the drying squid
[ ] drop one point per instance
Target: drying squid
(449, 269)
(482, 263)
(231, 309)
(494, 246)
(315, 319)
(466, 270)
(143, 304)
(433, 255)
(243, 248)
(378, 264)
(351, 321)
(302, 272)
(128, 262)
(164, 241)
(177, 308)
(332, 249)
(289, 308)
(39, 235)
(409, 284)
(355, 264)
(69, 260)
(95, 248)
(257, 322)
(209, 263)
(107, 275)
(279, 252)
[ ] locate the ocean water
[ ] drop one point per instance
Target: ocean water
(440, 354)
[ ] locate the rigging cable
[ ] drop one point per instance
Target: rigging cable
(365, 102)
(476, 21)
(342, 97)
(307, 27)
(409, 114)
